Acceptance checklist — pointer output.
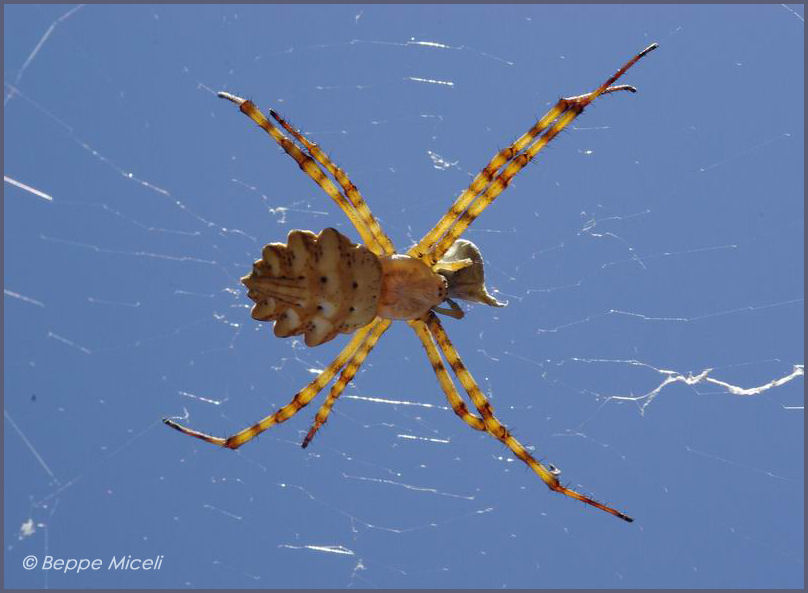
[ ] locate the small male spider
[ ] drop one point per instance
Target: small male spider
(322, 285)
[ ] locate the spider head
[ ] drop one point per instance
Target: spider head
(462, 266)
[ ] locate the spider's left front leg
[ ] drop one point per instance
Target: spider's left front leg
(496, 428)
(485, 188)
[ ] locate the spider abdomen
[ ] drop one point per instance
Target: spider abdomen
(316, 285)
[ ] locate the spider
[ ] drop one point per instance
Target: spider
(323, 285)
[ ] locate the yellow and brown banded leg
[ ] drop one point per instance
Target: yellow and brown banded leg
(300, 400)
(309, 166)
(348, 372)
(482, 180)
(464, 212)
(446, 383)
(496, 428)
(351, 191)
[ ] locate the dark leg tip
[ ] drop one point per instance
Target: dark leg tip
(648, 49)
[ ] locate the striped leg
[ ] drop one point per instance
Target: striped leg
(495, 428)
(301, 398)
(348, 372)
(483, 178)
(446, 383)
(309, 167)
(466, 209)
(351, 191)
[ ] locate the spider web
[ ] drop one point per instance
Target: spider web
(652, 348)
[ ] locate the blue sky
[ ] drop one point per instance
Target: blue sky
(659, 237)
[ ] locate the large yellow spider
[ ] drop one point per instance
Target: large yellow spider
(322, 285)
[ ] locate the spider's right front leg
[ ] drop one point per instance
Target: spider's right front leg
(446, 383)
(492, 425)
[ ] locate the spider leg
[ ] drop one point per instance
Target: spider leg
(453, 266)
(483, 179)
(348, 372)
(470, 204)
(301, 398)
(351, 191)
(495, 427)
(454, 311)
(446, 383)
(309, 167)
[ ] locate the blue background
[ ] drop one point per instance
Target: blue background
(659, 236)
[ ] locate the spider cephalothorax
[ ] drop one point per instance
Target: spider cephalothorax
(322, 285)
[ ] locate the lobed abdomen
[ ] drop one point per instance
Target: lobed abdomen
(316, 285)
